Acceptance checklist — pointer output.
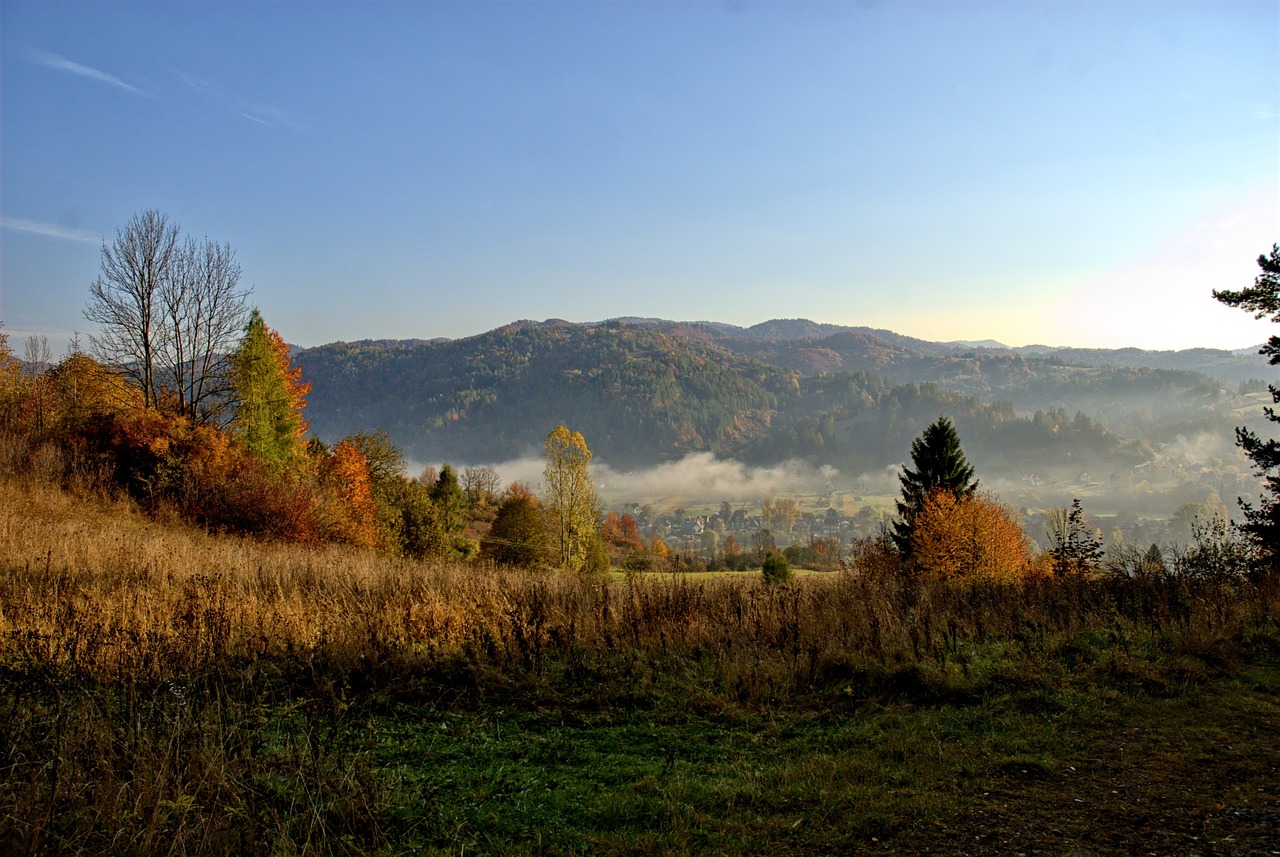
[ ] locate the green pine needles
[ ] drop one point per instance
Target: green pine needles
(938, 463)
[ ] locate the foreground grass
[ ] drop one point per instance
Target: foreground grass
(1106, 772)
(164, 691)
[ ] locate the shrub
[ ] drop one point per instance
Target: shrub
(776, 569)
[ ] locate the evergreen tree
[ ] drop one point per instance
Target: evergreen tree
(270, 397)
(449, 498)
(1076, 549)
(1263, 300)
(938, 463)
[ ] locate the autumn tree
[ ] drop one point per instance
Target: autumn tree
(971, 536)
(1263, 300)
(406, 518)
(38, 393)
(269, 396)
(348, 512)
(10, 381)
(786, 511)
(86, 389)
(939, 464)
(571, 495)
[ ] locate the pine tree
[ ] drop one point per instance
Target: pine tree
(1076, 549)
(270, 396)
(1263, 300)
(938, 463)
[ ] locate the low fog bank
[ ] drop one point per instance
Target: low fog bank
(1204, 447)
(702, 476)
(699, 477)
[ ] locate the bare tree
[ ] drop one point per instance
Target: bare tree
(36, 354)
(203, 312)
(123, 298)
(480, 483)
(168, 311)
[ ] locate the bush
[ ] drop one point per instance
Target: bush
(776, 569)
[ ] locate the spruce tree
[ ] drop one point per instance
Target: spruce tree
(1076, 550)
(937, 463)
(1263, 300)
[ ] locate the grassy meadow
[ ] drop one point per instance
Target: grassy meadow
(166, 691)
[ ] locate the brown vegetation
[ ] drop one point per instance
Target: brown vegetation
(168, 689)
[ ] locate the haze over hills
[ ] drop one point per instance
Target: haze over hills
(648, 391)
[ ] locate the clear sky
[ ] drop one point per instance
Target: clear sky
(1078, 173)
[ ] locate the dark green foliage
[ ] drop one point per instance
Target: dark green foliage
(597, 559)
(518, 535)
(421, 528)
(1263, 300)
(385, 460)
(448, 496)
(939, 464)
(775, 569)
(801, 555)
(408, 519)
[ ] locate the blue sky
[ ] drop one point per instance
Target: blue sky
(1078, 173)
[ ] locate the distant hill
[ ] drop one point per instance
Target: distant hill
(649, 390)
(640, 393)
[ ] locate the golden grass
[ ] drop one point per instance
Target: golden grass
(169, 691)
(94, 587)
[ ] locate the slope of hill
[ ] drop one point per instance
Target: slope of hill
(644, 391)
(638, 392)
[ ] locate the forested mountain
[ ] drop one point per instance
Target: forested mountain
(645, 390)
(638, 393)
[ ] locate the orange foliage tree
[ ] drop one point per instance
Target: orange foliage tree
(348, 513)
(968, 537)
(620, 531)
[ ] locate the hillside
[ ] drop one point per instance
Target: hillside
(644, 391)
(638, 392)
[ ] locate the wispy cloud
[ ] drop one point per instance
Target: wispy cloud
(271, 117)
(194, 83)
(60, 63)
(48, 230)
(1263, 112)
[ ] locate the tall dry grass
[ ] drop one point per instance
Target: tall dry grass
(169, 691)
(95, 590)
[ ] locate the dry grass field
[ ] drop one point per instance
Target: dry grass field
(169, 691)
